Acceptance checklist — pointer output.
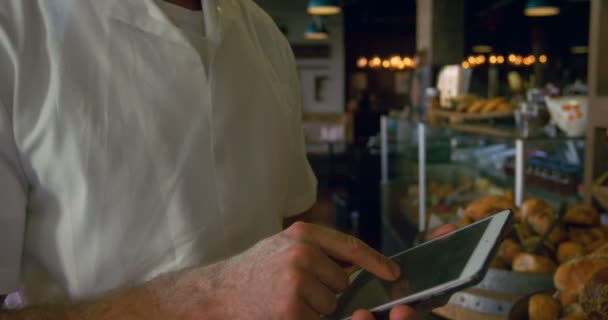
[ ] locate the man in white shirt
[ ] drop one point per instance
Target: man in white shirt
(144, 147)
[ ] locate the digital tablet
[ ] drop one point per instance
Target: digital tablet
(437, 268)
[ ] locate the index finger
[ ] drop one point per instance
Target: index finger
(346, 248)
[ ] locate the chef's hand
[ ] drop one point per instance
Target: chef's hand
(295, 275)
(397, 313)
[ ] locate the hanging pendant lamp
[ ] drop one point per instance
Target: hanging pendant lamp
(323, 7)
(541, 8)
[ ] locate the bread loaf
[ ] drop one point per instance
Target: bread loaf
(582, 214)
(594, 298)
(508, 249)
(528, 262)
(573, 275)
(536, 205)
(569, 250)
(543, 307)
(486, 206)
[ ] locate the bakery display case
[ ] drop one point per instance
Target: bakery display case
(458, 174)
(433, 171)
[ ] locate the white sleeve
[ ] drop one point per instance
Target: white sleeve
(13, 185)
(302, 180)
(302, 185)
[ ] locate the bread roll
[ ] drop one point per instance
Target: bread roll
(601, 251)
(528, 262)
(594, 298)
(573, 311)
(498, 263)
(508, 249)
(569, 250)
(567, 297)
(539, 221)
(582, 214)
(543, 307)
(573, 274)
(486, 206)
(476, 106)
(493, 104)
(505, 106)
(536, 205)
(558, 234)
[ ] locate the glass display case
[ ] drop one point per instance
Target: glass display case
(430, 173)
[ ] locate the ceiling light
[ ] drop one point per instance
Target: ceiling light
(323, 7)
(540, 8)
(316, 31)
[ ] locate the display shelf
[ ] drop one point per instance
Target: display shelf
(483, 152)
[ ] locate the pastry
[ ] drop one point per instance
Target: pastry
(594, 298)
(507, 250)
(528, 262)
(486, 206)
(573, 274)
(536, 205)
(582, 214)
(476, 106)
(543, 307)
(569, 250)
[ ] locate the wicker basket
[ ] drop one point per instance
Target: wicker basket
(599, 190)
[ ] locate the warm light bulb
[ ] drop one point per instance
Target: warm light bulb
(465, 65)
(493, 59)
(542, 58)
(375, 62)
(500, 59)
(472, 60)
(386, 64)
(395, 61)
(408, 62)
(512, 58)
(362, 62)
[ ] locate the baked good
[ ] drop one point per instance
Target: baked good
(498, 263)
(492, 104)
(595, 245)
(528, 262)
(539, 221)
(582, 214)
(536, 205)
(568, 297)
(486, 206)
(594, 298)
(580, 235)
(505, 106)
(573, 274)
(476, 106)
(573, 311)
(569, 250)
(464, 221)
(600, 252)
(543, 307)
(508, 249)
(558, 234)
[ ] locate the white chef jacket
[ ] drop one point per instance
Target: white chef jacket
(131, 147)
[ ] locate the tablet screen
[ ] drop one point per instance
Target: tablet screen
(429, 265)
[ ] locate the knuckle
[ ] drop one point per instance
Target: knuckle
(299, 229)
(353, 244)
(298, 254)
(293, 278)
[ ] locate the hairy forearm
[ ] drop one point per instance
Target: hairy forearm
(167, 297)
